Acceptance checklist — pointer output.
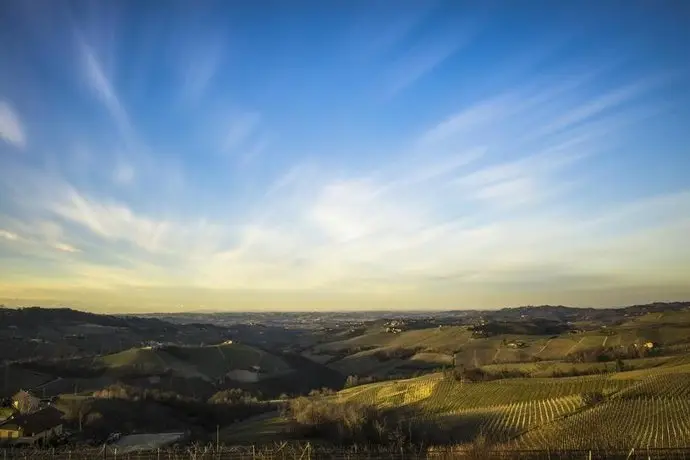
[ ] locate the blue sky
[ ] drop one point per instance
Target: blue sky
(343, 155)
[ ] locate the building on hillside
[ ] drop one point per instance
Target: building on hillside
(25, 402)
(36, 427)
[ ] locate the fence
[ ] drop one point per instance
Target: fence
(308, 452)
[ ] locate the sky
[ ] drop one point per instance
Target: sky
(349, 155)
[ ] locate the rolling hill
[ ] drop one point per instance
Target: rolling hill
(233, 361)
(639, 408)
(381, 354)
(58, 333)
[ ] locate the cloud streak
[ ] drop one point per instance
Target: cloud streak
(11, 129)
(402, 228)
(103, 88)
(251, 184)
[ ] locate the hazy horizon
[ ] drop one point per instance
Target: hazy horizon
(343, 155)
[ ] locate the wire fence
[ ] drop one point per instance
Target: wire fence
(309, 451)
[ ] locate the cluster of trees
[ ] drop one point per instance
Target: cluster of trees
(593, 370)
(607, 354)
(345, 423)
(355, 380)
(361, 424)
(386, 354)
(124, 408)
(592, 397)
(476, 374)
(134, 393)
(532, 327)
(235, 396)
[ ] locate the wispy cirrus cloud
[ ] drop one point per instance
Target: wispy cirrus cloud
(239, 129)
(414, 221)
(418, 62)
(486, 200)
(11, 128)
(65, 247)
(99, 82)
(7, 235)
(199, 69)
(372, 38)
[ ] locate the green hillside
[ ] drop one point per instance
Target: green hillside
(373, 352)
(208, 362)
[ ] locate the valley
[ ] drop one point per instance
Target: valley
(537, 378)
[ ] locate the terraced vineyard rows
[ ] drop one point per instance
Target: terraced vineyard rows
(501, 423)
(649, 409)
(619, 423)
(436, 395)
(660, 385)
(450, 396)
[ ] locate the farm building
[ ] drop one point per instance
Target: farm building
(42, 425)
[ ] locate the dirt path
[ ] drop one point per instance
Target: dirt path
(574, 346)
(544, 347)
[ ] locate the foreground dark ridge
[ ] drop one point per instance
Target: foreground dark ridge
(307, 450)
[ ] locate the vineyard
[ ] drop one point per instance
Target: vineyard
(502, 423)
(656, 422)
(649, 409)
(439, 395)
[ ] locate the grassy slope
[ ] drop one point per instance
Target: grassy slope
(208, 362)
(264, 428)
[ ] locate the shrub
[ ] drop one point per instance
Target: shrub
(322, 392)
(352, 381)
(477, 374)
(347, 423)
(233, 396)
(592, 397)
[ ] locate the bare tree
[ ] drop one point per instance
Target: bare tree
(76, 409)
